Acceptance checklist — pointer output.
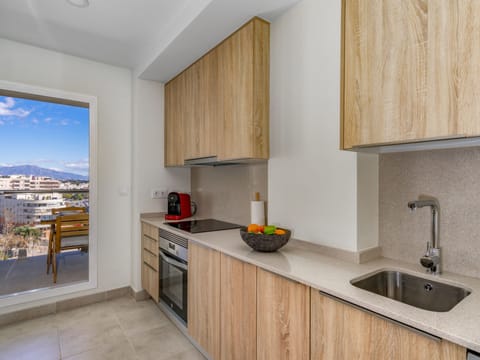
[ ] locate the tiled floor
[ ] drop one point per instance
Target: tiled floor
(120, 329)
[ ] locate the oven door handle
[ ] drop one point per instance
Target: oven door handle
(172, 262)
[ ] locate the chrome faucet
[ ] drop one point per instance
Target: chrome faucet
(431, 259)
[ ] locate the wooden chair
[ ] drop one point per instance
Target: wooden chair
(71, 232)
(67, 210)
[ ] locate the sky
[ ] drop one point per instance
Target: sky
(44, 134)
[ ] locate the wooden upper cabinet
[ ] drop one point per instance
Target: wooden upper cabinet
(409, 70)
(219, 106)
(201, 107)
(340, 331)
(243, 130)
(283, 318)
(468, 66)
(193, 119)
(174, 121)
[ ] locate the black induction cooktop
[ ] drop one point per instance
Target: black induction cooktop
(206, 225)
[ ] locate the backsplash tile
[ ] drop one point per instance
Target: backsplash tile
(451, 176)
(224, 192)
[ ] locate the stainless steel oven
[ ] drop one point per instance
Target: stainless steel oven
(173, 268)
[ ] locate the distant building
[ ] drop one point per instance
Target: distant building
(77, 185)
(27, 208)
(28, 182)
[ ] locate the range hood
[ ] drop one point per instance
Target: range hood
(213, 161)
(431, 144)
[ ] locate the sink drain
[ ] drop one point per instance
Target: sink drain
(428, 287)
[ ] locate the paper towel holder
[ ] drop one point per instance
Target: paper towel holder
(257, 210)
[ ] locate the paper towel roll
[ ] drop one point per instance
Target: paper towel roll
(257, 212)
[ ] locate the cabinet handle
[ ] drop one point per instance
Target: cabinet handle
(150, 266)
(150, 238)
(150, 252)
(173, 262)
(383, 317)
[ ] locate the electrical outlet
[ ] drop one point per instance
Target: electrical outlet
(159, 193)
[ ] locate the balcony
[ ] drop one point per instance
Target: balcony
(24, 242)
(25, 274)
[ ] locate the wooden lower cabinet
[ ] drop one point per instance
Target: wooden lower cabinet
(238, 299)
(150, 276)
(204, 298)
(340, 331)
(283, 318)
(239, 311)
(150, 281)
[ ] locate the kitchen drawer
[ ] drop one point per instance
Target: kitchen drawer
(150, 258)
(150, 244)
(150, 230)
(150, 281)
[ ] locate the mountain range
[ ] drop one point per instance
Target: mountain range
(39, 171)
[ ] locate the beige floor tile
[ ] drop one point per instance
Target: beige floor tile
(35, 339)
(192, 354)
(88, 328)
(137, 317)
(86, 316)
(22, 328)
(116, 351)
(120, 329)
(161, 343)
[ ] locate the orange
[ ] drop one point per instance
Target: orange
(280, 232)
(252, 228)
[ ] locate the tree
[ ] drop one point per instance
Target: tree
(6, 239)
(30, 234)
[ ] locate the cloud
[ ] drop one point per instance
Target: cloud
(64, 122)
(48, 120)
(77, 165)
(2, 122)
(7, 109)
(35, 121)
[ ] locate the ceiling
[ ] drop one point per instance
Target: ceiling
(155, 38)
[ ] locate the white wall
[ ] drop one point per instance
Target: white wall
(148, 171)
(112, 87)
(312, 185)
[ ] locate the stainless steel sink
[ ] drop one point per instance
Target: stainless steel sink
(412, 290)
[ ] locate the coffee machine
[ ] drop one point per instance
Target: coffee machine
(179, 206)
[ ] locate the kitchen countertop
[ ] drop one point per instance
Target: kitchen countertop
(302, 263)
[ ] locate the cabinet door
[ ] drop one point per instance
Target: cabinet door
(192, 115)
(175, 121)
(204, 298)
(340, 331)
(150, 281)
(399, 76)
(283, 318)
(244, 93)
(238, 299)
(468, 67)
(203, 113)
